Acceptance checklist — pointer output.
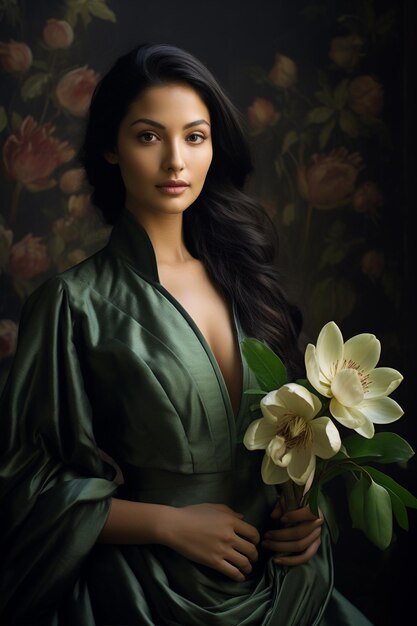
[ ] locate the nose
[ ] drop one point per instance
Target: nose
(173, 158)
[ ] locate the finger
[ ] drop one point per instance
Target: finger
(224, 567)
(292, 533)
(247, 531)
(247, 548)
(298, 546)
(299, 558)
(240, 561)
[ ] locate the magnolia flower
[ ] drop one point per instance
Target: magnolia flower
(346, 373)
(290, 436)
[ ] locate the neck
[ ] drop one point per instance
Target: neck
(166, 235)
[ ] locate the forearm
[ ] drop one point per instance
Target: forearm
(136, 522)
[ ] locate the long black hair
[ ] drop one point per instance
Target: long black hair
(225, 228)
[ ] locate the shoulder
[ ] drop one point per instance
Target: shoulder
(65, 288)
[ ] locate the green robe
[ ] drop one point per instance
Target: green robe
(108, 360)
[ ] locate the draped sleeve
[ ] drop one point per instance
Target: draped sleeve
(55, 486)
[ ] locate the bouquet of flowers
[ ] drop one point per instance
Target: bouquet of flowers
(303, 447)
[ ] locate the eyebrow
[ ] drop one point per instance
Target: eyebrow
(146, 120)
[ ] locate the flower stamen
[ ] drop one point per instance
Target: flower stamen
(295, 430)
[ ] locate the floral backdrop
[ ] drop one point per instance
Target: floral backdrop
(322, 94)
(46, 221)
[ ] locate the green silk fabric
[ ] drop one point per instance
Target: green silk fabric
(108, 360)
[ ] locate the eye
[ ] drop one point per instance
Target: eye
(147, 137)
(196, 138)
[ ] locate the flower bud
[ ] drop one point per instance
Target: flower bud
(58, 34)
(15, 56)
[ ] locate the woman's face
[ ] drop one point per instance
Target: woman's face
(165, 137)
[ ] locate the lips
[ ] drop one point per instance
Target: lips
(173, 183)
(173, 187)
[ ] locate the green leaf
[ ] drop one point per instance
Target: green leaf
(98, 8)
(382, 448)
(319, 115)
(255, 392)
(371, 510)
(336, 466)
(289, 140)
(3, 118)
(278, 167)
(312, 497)
(399, 510)
(325, 97)
(34, 85)
(377, 515)
(389, 483)
(356, 497)
(325, 133)
(326, 507)
(268, 368)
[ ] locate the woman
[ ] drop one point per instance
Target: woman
(128, 496)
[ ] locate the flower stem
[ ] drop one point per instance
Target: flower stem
(293, 495)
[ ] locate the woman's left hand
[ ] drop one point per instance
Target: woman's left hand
(298, 540)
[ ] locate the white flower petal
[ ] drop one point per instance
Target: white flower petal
(303, 462)
(382, 381)
(363, 350)
(313, 371)
(272, 406)
(258, 434)
(285, 460)
(276, 449)
(326, 437)
(349, 417)
(299, 401)
(329, 348)
(347, 387)
(367, 429)
(271, 473)
(381, 410)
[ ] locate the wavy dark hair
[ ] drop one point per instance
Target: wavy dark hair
(225, 228)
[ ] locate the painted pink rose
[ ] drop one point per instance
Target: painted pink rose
(72, 180)
(33, 154)
(58, 34)
(75, 89)
(15, 56)
(368, 198)
(261, 114)
(28, 258)
(346, 51)
(8, 338)
(366, 96)
(78, 205)
(329, 178)
(373, 263)
(284, 72)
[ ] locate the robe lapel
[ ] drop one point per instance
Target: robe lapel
(177, 329)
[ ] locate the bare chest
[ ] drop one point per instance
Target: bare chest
(193, 289)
